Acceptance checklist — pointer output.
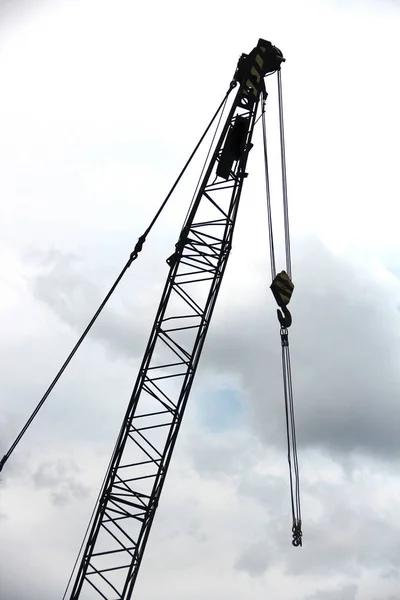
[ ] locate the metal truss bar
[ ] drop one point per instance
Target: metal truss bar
(134, 430)
(111, 569)
(119, 528)
(209, 223)
(168, 376)
(160, 412)
(135, 464)
(172, 345)
(197, 232)
(112, 551)
(218, 187)
(142, 477)
(96, 588)
(202, 240)
(100, 574)
(123, 547)
(178, 364)
(127, 488)
(208, 235)
(114, 520)
(179, 329)
(116, 508)
(194, 281)
(215, 204)
(189, 301)
(154, 426)
(121, 495)
(171, 408)
(122, 512)
(193, 259)
(154, 395)
(209, 250)
(124, 483)
(179, 317)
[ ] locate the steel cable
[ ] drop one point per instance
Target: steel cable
(284, 179)
(268, 193)
(294, 478)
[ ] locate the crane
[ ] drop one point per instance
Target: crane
(117, 535)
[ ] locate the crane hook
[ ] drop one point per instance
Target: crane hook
(284, 317)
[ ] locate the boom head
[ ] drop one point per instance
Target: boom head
(252, 68)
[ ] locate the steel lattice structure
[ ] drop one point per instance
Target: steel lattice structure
(135, 478)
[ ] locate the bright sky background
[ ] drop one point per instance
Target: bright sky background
(101, 103)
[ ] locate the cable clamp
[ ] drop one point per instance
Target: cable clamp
(137, 248)
(297, 533)
(171, 260)
(284, 337)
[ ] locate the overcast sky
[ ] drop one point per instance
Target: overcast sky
(101, 103)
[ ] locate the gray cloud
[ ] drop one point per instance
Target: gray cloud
(63, 284)
(347, 592)
(11, 11)
(254, 560)
(341, 539)
(341, 325)
(60, 479)
(346, 529)
(345, 379)
(338, 415)
(391, 574)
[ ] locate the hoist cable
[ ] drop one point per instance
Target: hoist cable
(284, 179)
(288, 430)
(268, 193)
(294, 475)
(293, 432)
(285, 320)
(133, 256)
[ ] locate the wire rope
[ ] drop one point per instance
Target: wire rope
(282, 288)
